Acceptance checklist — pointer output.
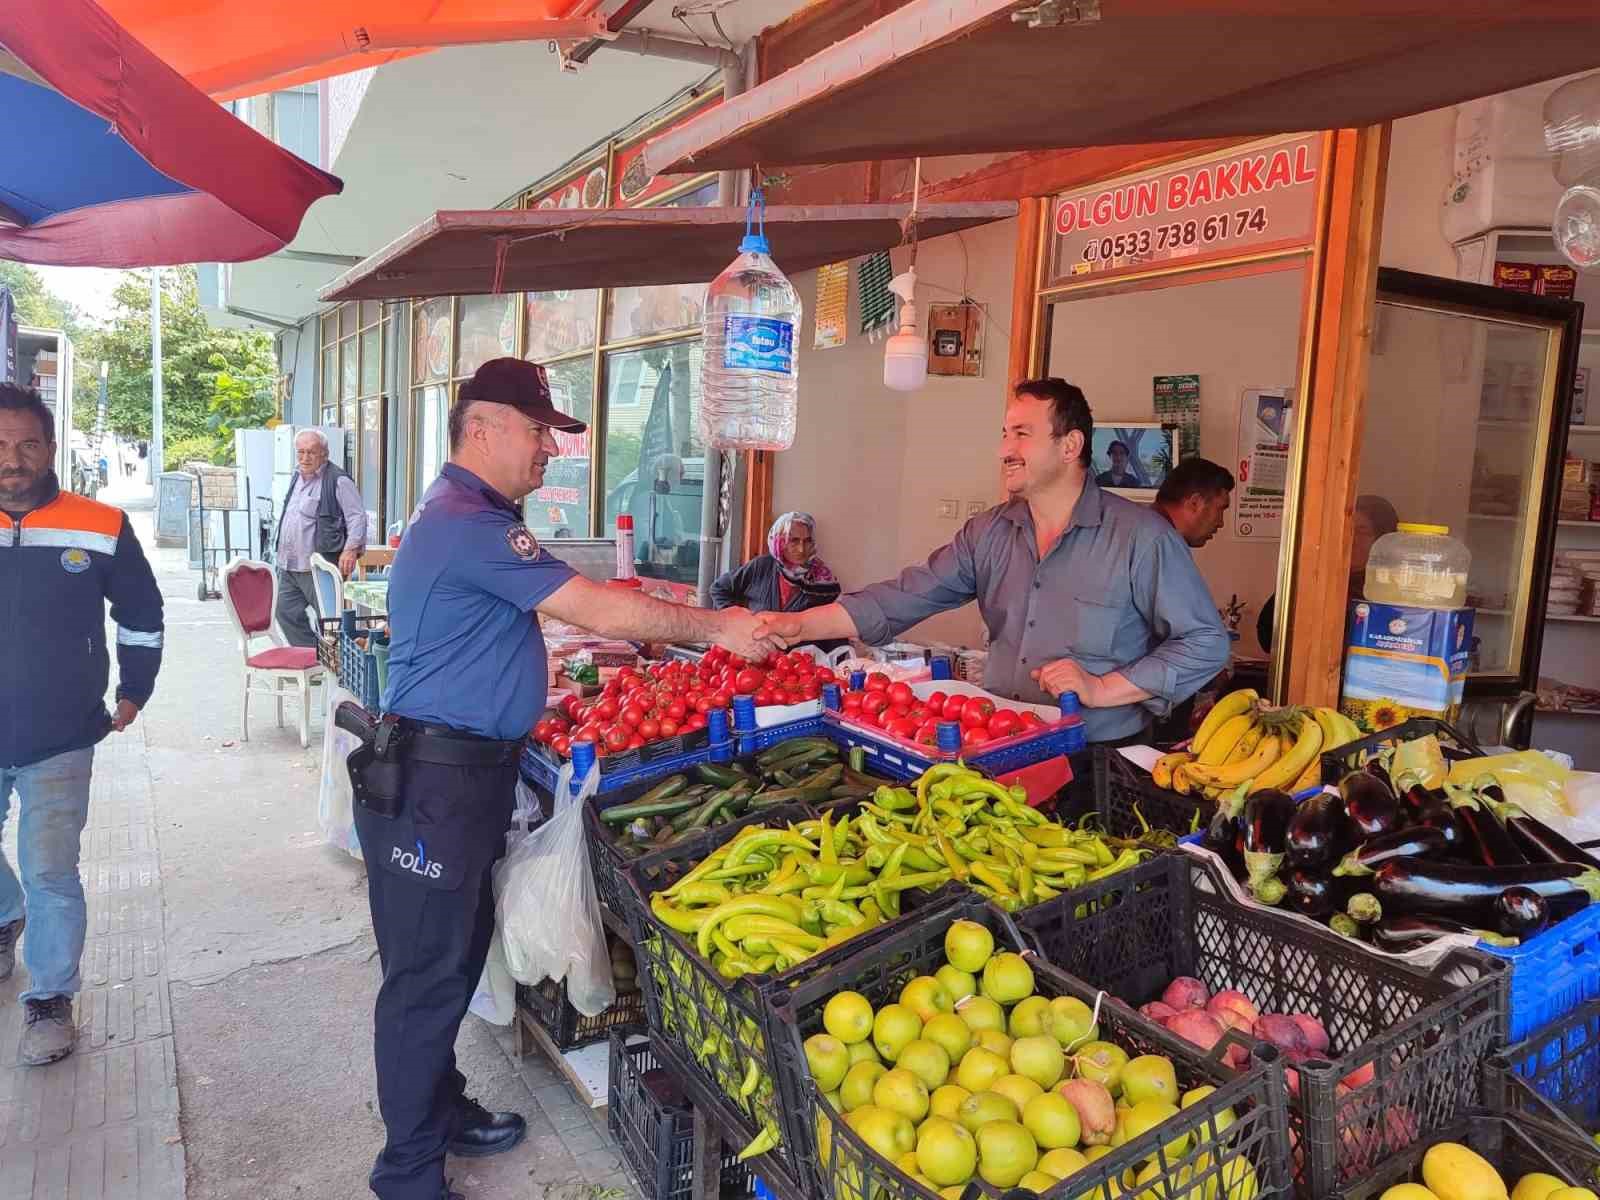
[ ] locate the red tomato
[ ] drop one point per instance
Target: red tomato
(696, 721)
(874, 703)
(901, 695)
(635, 742)
(873, 720)
(877, 682)
(749, 681)
(736, 662)
(935, 701)
(702, 705)
(851, 701)
(649, 729)
(561, 744)
(677, 710)
(631, 716)
(586, 734)
(669, 727)
(765, 697)
(1030, 720)
(541, 731)
(570, 704)
(606, 710)
(722, 698)
(981, 707)
(811, 690)
(974, 735)
(928, 733)
(953, 706)
(617, 738)
(902, 727)
(1004, 723)
(900, 711)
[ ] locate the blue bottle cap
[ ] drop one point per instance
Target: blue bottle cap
(582, 760)
(949, 736)
(830, 697)
(858, 680)
(941, 666)
(744, 713)
(755, 243)
(1069, 704)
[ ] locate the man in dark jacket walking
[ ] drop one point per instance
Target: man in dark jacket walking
(62, 557)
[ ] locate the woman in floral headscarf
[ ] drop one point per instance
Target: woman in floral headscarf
(788, 578)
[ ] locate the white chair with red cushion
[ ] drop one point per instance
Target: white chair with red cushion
(250, 590)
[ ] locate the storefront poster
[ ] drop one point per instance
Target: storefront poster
(833, 302)
(1262, 467)
(1177, 402)
(1250, 201)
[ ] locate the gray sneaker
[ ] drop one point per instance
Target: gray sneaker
(9, 933)
(48, 1032)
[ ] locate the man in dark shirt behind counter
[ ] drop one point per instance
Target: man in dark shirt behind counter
(1081, 591)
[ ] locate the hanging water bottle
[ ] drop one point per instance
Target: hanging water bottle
(750, 375)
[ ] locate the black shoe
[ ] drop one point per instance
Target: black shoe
(9, 933)
(48, 1033)
(482, 1133)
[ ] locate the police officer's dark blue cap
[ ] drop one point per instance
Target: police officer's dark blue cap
(523, 386)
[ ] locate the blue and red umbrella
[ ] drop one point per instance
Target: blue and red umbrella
(110, 158)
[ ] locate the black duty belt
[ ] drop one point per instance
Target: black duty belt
(444, 746)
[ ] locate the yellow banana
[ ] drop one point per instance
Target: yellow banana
(1230, 776)
(1247, 744)
(1309, 778)
(1229, 706)
(1295, 760)
(1181, 781)
(1161, 773)
(1224, 740)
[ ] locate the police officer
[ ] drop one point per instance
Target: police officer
(467, 679)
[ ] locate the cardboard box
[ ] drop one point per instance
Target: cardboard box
(1557, 280)
(1515, 276)
(1403, 662)
(1576, 470)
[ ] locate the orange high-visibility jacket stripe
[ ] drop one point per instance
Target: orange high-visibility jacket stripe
(68, 520)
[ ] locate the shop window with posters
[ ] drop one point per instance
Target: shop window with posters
(352, 391)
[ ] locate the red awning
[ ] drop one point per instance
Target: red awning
(941, 77)
(533, 250)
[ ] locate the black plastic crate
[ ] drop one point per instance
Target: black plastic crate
(1514, 1146)
(547, 1002)
(840, 1166)
(1423, 1033)
(650, 1117)
(1555, 1074)
(1336, 760)
(1123, 794)
(716, 1026)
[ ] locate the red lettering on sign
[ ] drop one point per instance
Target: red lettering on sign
(1102, 208)
(1149, 198)
(1304, 172)
(1201, 192)
(1278, 174)
(1250, 175)
(1066, 217)
(1177, 193)
(1227, 180)
(571, 445)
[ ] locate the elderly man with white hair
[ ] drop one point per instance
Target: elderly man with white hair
(322, 514)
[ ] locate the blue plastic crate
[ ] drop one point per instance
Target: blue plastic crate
(891, 756)
(358, 671)
(1555, 1074)
(1553, 973)
(540, 772)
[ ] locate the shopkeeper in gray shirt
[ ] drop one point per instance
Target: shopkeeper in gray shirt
(315, 521)
(1081, 591)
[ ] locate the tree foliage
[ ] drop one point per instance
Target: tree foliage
(213, 380)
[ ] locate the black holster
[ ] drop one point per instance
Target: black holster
(376, 776)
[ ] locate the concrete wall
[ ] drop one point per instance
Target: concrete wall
(873, 465)
(1421, 151)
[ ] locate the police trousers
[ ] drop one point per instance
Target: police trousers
(428, 881)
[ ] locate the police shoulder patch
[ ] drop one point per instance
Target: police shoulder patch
(523, 544)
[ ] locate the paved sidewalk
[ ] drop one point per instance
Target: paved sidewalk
(103, 1122)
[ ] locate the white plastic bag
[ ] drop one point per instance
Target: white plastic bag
(336, 801)
(546, 908)
(495, 999)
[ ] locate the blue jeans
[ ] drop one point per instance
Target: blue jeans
(55, 804)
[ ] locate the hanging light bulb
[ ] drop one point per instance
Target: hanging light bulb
(905, 357)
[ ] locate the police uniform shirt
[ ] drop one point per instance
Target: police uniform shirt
(465, 648)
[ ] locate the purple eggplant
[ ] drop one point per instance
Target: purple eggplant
(1536, 840)
(1399, 934)
(1369, 803)
(1485, 840)
(1413, 887)
(1266, 818)
(1319, 831)
(1418, 841)
(1520, 912)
